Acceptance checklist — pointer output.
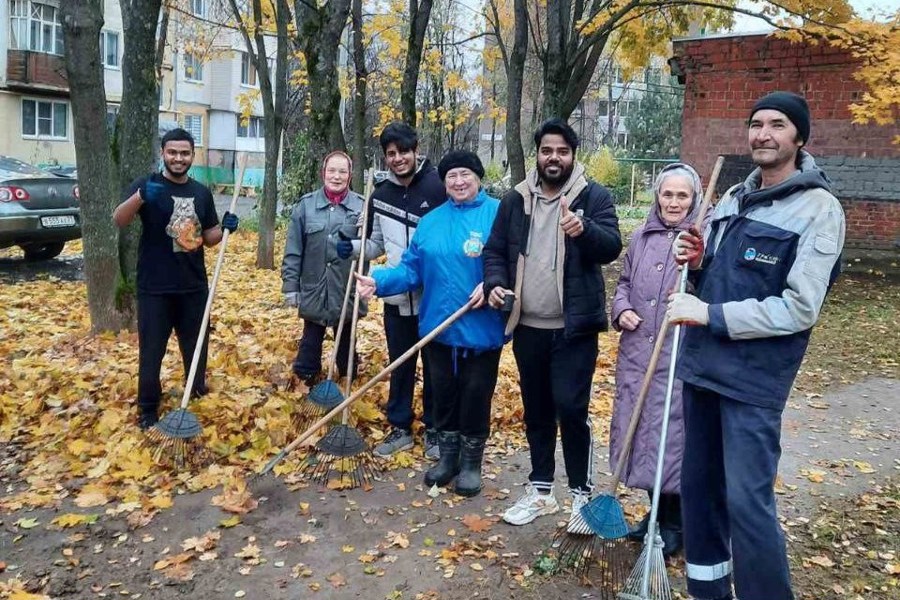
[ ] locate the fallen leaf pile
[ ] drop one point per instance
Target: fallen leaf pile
(68, 397)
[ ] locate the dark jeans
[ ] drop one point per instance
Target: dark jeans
(555, 378)
(402, 333)
(308, 362)
(731, 452)
(463, 383)
(157, 316)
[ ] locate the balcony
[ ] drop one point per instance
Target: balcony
(35, 71)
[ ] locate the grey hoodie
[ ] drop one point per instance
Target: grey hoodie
(542, 289)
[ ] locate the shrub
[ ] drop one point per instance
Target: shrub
(602, 167)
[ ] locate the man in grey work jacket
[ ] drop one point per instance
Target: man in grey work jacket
(772, 251)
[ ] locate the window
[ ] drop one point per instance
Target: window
(248, 71)
(253, 129)
(622, 108)
(198, 7)
(42, 119)
(603, 108)
(193, 68)
(109, 48)
(193, 124)
(35, 26)
(622, 140)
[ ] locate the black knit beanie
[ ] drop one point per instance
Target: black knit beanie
(793, 106)
(460, 158)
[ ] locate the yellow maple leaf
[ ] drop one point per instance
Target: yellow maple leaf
(73, 519)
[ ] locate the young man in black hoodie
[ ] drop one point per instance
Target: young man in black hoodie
(551, 235)
(762, 269)
(412, 189)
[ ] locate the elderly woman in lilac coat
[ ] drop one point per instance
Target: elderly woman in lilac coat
(648, 275)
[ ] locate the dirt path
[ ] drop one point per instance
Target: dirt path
(395, 541)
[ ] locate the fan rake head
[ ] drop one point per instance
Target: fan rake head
(176, 437)
(604, 516)
(605, 563)
(652, 584)
(342, 456)
(323, 396)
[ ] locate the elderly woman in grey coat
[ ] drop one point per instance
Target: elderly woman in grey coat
(314, 273)
(648, 275)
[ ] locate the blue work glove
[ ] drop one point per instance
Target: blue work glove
(151, 191)
(230, 221)
(344, 246)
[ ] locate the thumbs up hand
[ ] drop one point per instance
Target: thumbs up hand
(571, 223)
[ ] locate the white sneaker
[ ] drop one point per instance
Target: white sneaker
(530, 506)
(577, 525)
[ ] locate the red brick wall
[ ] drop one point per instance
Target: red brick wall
(723, 78)
(872, 224)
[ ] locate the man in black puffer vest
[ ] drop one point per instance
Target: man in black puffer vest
(551, 235)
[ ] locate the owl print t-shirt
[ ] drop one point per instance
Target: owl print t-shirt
(170, 253)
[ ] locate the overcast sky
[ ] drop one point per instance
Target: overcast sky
(863, 7)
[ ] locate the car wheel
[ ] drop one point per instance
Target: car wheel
(34, 252)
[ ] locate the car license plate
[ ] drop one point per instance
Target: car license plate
(63, 221)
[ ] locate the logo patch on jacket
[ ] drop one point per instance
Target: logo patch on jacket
(750, 254)
(473, 246)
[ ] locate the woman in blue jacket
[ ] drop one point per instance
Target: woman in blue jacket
(444, 260)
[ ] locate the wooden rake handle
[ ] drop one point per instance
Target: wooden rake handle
(367, 386)
(204, 324)
(360, 267)
(660, 342)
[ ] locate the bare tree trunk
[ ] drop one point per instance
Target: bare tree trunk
(82, 22)
(359, 98)
(139, 118)
(319, 36)
(274, 97)
(419, 14)
(515, 73)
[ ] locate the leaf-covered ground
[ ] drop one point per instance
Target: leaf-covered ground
(84, 510)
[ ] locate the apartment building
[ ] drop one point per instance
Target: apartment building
(205, 73)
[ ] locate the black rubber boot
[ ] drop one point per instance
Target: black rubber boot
(448, 466)
(468, 482)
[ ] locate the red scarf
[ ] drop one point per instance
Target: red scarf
(335, 197)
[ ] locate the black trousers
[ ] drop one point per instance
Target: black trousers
(463, 383)
(402, 333)
(308, 362)
(555, 379)
(157, 316)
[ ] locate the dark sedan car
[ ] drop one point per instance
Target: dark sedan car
(38, 210)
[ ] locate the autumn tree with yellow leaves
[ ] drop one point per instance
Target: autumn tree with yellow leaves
(569, 39)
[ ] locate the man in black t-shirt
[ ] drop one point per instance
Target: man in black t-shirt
(179, 218)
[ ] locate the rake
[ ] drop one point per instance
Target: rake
(359, 393)
(176, 435)
(649, 580)
(577, 543)
(326, 394)
(603, 516)
(343, 452)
